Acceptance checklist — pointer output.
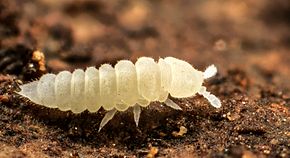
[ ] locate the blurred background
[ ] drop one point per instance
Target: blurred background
(249, 35)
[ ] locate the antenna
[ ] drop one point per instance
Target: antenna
(209, 72)
(213, 100)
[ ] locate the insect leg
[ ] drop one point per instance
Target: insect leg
(171, 104)
(109, 115)
(136, 111)
(213, 100)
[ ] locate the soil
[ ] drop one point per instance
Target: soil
(249, 42)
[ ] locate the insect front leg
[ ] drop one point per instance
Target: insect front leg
(171, 104)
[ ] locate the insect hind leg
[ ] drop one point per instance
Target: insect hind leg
(108, 116)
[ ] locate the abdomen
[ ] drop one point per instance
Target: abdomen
(120, 87)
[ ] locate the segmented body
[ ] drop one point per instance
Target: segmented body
(117, 88)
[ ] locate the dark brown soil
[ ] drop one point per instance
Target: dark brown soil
(249, 41)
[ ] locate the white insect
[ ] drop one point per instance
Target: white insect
(117, 89)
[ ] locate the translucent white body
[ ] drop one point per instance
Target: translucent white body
(116, 89)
